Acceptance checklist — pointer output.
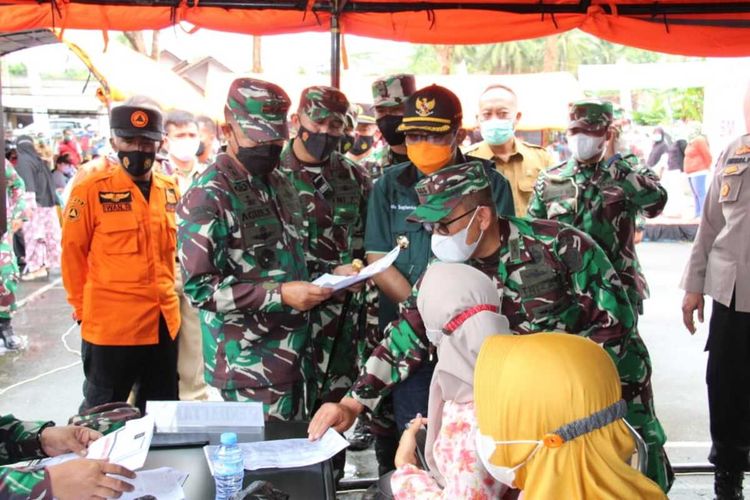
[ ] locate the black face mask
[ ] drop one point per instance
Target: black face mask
(260, 160)
(136, 163)
(362, 144)
(346, 144)
(388, 125)
(201, 149)
(319, 145)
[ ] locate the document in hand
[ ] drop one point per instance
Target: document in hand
(127, 446)
(286, 453)
(342, 282)
(164, 483)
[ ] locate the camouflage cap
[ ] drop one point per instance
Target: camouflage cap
(442, 191)
(320, 102)
(593, 115)
(433, 109)
(259, 108)
(352, 116)
(393, 90)
(365, 113)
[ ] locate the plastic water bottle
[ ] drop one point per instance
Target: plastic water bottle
(229, 467)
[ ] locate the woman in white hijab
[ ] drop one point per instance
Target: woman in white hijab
(460, 308)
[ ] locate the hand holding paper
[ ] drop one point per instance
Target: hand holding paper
(341, 282)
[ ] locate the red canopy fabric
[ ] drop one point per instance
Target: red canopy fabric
(689, 27)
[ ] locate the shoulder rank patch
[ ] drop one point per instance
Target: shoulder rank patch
(171, 196)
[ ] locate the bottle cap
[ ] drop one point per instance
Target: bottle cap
(228, 438)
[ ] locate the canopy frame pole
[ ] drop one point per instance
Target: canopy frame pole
(3, 191)
(335, 45)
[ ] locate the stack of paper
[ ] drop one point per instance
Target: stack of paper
(286, 453)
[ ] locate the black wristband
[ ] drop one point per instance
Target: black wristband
(39, 437)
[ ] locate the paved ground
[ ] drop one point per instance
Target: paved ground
(679, 364)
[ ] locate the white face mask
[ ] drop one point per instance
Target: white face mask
(453, 248)
(184, 149)
(586, 148)
(486, 448)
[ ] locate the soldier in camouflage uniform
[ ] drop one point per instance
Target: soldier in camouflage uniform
(551, 277)
(601, 197)
(389, 95)
(80, 478)
(240, 242)
(9, 272)
(332, 191)
(366, 135)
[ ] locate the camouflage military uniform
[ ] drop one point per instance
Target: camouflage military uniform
(333, 196)
(19, 441)
(379, 160)
(552, 277)
(240, 237)
(603, 200)
(15, 206)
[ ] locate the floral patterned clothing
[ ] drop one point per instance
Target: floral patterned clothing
(456, 458)
(42, 237)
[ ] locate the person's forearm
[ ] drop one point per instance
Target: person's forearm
(391, 282)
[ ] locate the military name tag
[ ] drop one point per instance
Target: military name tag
(560, 189)
(112, 201)
(537, 280)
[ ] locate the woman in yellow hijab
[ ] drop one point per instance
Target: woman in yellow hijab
(549, 410)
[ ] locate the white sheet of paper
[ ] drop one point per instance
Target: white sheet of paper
(164, 483)
(341, 282)
(286, 453)
(127, 446)
(171, 416)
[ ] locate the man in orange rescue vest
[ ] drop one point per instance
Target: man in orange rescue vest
(118, 254)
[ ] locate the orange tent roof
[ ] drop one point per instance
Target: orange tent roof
(690, 27)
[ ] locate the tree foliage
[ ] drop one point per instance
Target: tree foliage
(564, 52)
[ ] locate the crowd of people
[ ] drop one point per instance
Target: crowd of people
(191, 269)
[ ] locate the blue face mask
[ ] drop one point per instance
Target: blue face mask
(496, 131)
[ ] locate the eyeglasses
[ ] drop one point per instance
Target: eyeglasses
(441, 227)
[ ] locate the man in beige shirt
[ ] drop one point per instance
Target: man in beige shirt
(719, 266)
(520, 162)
